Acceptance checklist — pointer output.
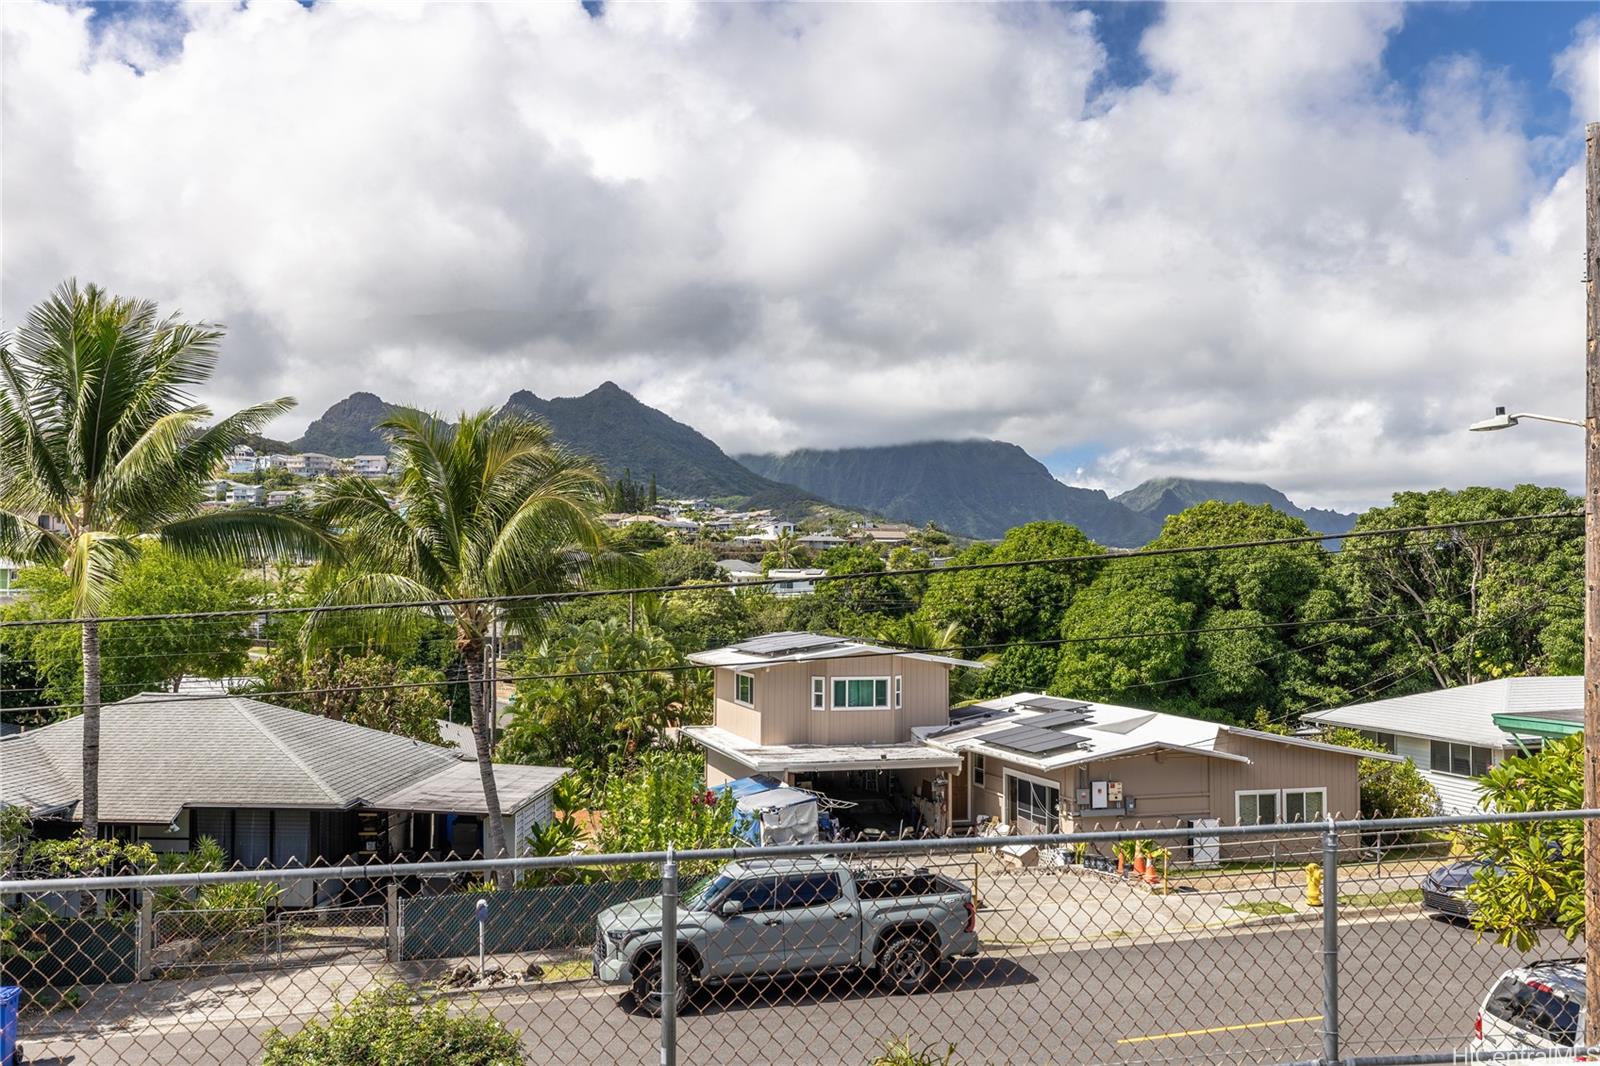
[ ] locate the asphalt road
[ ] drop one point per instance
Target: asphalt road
(1239, 995)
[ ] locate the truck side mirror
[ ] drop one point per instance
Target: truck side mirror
(731, 908)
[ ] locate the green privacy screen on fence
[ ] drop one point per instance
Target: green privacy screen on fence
(522, 920)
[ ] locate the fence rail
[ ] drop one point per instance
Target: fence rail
(1017, 949)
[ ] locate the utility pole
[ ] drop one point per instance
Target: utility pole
(1591, 585)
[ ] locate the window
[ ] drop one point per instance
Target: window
(755, 894)
(1383, 740)
(977, 770)
(807, 890)
(897, 690)
(1462, 760)
(1304, 804)
(744, 689)
(1257, 808)
(819, 693)
(860, 692)
(1037, 801)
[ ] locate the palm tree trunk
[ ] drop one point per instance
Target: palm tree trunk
(91, 729)
(494, 828)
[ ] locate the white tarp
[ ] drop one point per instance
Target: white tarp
(786, 815)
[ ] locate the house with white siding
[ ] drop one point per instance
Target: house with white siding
(1453, 734)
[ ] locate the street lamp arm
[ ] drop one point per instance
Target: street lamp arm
(1551, 418)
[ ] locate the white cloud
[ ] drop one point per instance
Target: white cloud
(835, 224)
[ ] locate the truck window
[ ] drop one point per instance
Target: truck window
(807, 890)
(756, 894)
(1536, 1008)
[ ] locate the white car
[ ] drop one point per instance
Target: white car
(1539, 1005)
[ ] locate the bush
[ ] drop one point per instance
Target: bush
(899, 1052)
(386, 1027)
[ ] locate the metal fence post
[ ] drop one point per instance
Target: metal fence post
(669, 959)
(1330, 945)
(391, 914)
(144, 961)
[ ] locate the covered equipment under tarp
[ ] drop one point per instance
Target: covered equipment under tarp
(771, 812)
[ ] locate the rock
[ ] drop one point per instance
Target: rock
(534, 972)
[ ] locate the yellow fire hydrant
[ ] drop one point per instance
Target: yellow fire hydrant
(1313, 885)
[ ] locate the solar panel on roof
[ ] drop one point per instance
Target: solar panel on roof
(1031, 740)
(787, 643)
(1052, 703)
(1055, 718)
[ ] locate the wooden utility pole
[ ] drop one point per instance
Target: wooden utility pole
(1591, 585)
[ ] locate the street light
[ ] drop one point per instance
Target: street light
(1501, 420)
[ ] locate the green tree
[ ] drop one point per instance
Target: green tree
(1232, 625)
(99, 433)
(597, 696)
(784, 552)
(146, 656)
(663, 801)
(995, 607)
(1476, 603)
(856, 607)
(491, 507)
(1388, 789)
(371, 690)
(676, 564)
(1534, 871)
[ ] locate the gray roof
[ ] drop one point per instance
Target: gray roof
(159, 754)
(809, 647)
(1465, 713)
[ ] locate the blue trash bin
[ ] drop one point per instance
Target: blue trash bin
(10, 1003)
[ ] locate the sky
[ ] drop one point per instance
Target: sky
(1303, 244)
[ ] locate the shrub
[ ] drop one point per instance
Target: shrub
(386, 1027)
(899, 1052)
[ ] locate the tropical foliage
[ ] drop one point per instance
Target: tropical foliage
(100, 437)
(490, 507)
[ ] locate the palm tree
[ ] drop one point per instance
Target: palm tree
(490, 508)
(783, 552)
(101, 445)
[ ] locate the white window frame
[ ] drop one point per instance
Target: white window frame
(1005, 796)
(1283, 804)
(897, 692)
(819, 693)
(833, 693)
(741, 675)
(1240, 794)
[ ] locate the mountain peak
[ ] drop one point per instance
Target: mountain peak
(1160, 497)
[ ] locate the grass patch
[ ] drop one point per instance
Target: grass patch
(1262, 907)
(1382, 899)
(569, 970)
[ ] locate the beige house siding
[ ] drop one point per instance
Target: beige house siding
(783, 715)
(720, 769)
(1277, 766)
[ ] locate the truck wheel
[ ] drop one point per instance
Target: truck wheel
(647, 984)
(907, 964)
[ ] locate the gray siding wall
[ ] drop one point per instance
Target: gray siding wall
(782, 713)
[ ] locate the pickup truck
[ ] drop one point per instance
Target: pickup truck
(762, 918)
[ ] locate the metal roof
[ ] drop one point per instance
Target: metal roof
(776, 648)
(1464, 714)
(159, 754)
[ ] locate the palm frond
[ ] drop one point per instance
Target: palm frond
(248, 535)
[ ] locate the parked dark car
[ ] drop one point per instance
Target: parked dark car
(1444, 890)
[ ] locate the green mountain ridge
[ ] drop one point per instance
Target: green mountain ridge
(976, 488)
(1159, 498)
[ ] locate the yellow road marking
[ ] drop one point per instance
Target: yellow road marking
(1219, 1029)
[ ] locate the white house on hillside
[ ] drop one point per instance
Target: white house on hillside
(1454, 735)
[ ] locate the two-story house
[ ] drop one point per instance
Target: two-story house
(831, 714)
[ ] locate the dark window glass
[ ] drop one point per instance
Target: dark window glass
(755, 894)
(1536, 1009)
(807, 890)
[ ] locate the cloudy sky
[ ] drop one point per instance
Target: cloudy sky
(1303, 244)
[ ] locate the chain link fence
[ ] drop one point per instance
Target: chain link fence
(1147, 944)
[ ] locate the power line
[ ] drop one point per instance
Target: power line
(881, 575)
